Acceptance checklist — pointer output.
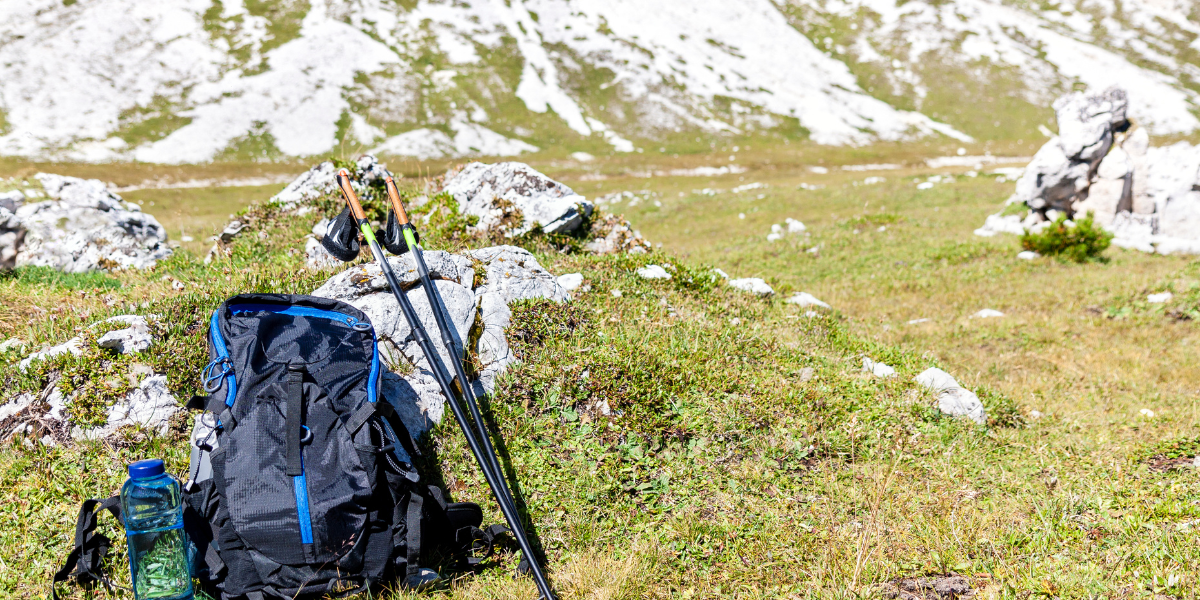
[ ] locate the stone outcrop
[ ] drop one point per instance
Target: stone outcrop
(148, 405)
(478, 310)
(952, 398)
(82, 227)
(495, 192)
(1103, 165)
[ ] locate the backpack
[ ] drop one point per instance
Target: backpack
(301, 482)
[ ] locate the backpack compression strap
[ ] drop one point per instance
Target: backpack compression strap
(85, 562)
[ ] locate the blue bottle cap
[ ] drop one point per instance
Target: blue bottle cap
(145, 469)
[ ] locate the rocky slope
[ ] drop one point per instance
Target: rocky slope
(190, 80)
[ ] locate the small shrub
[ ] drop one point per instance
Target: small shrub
(1080, 242)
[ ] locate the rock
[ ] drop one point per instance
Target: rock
(877, 369)
(794, 226)
(317, 258)
(491, 192)
(614, 234)
(12, 344)
(805, 300)
(987, 313)
(135, 338)
(11, 200)
(72, 345)
(417, 399)
(570, 281)
(653, 272)
(12, 238)
(1028, 255)
(774, 237)
(1001, 224)
(231, 231)
(515, 274)
(721, 274)
(1160, 298)
(1086, 122)
(753, 285)
(952, 398)
(918, 321)
(510, 274)
(321, 180)
(86, 227)
(150, 405)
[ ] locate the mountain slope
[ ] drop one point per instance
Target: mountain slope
(193, 80)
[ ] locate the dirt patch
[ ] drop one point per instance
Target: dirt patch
(933, 587)
(1162, 464)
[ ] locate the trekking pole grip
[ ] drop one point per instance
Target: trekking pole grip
(343, 181)
(394, 195)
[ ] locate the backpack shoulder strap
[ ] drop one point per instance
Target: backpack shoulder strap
(85, 563)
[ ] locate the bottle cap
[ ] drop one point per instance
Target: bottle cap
(145, 469)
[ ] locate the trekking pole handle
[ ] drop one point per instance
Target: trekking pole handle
(343, 181)
(394, 195)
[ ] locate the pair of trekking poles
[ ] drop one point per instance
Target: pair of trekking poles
(399, 237)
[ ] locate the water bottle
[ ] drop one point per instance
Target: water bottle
(152, 506)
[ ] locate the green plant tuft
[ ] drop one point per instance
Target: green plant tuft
(1079, 241)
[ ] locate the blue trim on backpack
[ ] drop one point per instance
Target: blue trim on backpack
(373, 378)
(218, 342)
(296, 311)
(300, 487)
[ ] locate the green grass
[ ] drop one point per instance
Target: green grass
(685, 440)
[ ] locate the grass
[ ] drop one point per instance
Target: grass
(685, 440)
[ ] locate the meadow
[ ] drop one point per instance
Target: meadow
(748, 454)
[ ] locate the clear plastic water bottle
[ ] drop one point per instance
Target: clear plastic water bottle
(152, 506)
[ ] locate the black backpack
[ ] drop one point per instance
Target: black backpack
(301, 481)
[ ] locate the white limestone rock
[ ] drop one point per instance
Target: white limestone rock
(149, 405)
(877, 369)
(84, 227)
(570, 281)
(134, 338)
(615, 234)
(953, 399)
(754, 285)
(805, 300)
(317, 258)
(321, 180)
(363, 279)
(1028, 255)
(12, 238)
(987, 313)
(515, 274)
(653, 272)
(482, 190)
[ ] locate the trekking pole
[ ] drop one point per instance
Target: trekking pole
(494, 481)
(443, 323)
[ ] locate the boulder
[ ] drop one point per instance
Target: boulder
(509, 274)
(805, 300)
(614, 234)
(653, 272)
(877, 369)
(1148, 197)
(149, 405)
(753, 285)
(134, 338)
(953, 399)
(570, 281)
(12, 237)
(321, 180)
(1061, 171)
(494, 192)
(86, 227)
